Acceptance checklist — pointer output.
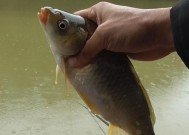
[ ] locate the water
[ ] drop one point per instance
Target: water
(30, 103)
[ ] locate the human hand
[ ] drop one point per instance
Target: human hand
(144, 34)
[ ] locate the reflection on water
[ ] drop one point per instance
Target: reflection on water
(166, 81)
(30, 104)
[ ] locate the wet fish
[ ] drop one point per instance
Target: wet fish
(109, 85)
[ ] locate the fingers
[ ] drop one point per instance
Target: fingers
(93, 46)
(96, 13)
(89, 13)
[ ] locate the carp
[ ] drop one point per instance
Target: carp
(108, 85)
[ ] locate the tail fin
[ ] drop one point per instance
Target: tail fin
(114, 130)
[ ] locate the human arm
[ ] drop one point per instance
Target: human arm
(144, 34)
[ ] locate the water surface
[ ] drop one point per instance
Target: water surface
(30, 103)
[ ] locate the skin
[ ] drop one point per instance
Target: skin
(144, 34)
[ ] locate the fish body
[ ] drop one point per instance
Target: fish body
(109, 85)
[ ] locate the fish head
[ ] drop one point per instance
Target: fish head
(66, 33)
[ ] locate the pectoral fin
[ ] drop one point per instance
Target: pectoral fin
(67, 83)
(58, 70)
(114, 130)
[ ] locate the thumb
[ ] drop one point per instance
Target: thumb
(93, 46)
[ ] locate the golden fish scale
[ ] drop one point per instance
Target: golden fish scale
(113, 91)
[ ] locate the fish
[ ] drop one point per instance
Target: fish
(109, 85)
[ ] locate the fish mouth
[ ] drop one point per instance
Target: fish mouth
(43, 14)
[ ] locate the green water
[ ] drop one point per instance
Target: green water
(30, 103)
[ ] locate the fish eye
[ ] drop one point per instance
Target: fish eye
(62, 25)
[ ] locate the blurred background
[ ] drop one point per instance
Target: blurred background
(30, 103)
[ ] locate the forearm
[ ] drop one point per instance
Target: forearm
(159, 28)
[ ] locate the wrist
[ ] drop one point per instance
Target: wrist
(160, 25)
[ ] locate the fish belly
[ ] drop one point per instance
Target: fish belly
(110, 88)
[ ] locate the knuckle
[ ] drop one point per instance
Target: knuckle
(92, 12)
(102, 3)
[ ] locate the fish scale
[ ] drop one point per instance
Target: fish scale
(113, 91)
(109, 85)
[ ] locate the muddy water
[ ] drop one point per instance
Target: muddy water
(30, 103)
